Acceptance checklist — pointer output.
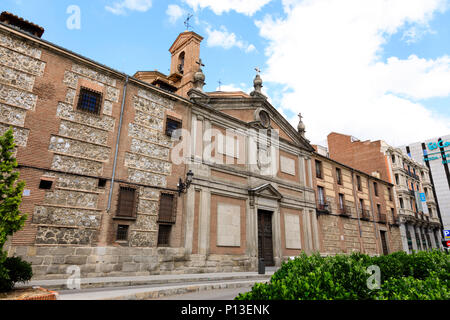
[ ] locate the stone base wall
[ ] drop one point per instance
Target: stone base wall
(52, 262)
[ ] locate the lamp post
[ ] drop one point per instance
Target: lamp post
(183, 186)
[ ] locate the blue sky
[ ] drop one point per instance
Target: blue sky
(375, 69)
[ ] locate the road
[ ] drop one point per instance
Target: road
(219, 294)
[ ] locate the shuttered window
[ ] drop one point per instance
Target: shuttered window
(127, 202)
(167, 208)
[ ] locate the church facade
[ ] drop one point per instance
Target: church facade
(149, 174)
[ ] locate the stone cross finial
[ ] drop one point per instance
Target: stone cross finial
(301, 126)
(258, 70)
(220, 85)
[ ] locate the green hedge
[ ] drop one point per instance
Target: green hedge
(422, 275)
(13, 270)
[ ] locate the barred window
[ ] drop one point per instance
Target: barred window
(167, 208)
(127, 202)
(89, 101)
(164, 235)
(122, 233)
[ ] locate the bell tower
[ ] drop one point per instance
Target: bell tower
(185, 56)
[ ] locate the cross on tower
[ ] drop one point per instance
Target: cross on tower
(220, 85)
(200, 63)
(300, 116)
(258, 70)
(186, 22)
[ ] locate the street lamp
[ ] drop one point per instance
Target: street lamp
(183, 186)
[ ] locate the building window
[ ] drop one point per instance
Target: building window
(358, 181)
(339, 176)
(319, 169)
(167, 208)
(89, 101)
(397, 181)
(101, 183)
(361, 204)
(375, 189)
(341, 201)
(127, 202)
(45, 184)
(393, 214)
(378, 209)
(122, 233)
(393, 158)
(408, 237)
(164, 235)
(172, 128)
(321, 195)
(401, 203)
(390, 194)
(430, 211)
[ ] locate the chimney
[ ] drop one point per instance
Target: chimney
(21, 24)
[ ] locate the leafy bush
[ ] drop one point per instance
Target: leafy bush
(13, 270)
(423, 275)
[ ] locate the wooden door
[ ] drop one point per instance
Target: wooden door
(265, 240)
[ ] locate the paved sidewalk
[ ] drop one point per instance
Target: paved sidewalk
(150, 287)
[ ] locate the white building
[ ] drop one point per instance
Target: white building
(435, 154)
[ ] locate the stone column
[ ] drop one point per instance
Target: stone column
(276, 236)
(306, 231)
(432, 239)
(302, 172)
(189, 213)
(252, 231)
(404, 238)
(315, 231)
(412, 231)
(309, 168)
(204, 224)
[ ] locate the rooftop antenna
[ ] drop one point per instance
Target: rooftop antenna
(187, 22)
(220, 85)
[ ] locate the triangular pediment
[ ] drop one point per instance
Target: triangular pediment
(183, 38)
(266, 191)
(247, 109)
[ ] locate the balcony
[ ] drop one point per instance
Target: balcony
(345, 211)
(323, 207)
(382, 217)
(364, 214)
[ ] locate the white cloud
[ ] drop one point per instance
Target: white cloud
(247, 7)
(121, 7)
(327, 52)
(175, 12)
(223, 38)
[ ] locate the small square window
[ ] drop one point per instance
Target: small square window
(89, 101)
(45, 184)
(122, 233)
(101, 183)
(172, 126)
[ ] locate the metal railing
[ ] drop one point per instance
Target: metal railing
(345, 211)
(323, 206)
(382, 217)
(364, 214)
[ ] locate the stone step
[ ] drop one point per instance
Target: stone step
(109, 282)
(155, 292)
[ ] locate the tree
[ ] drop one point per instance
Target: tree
(11, 220)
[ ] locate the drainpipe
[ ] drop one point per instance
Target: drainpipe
(117, 144)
